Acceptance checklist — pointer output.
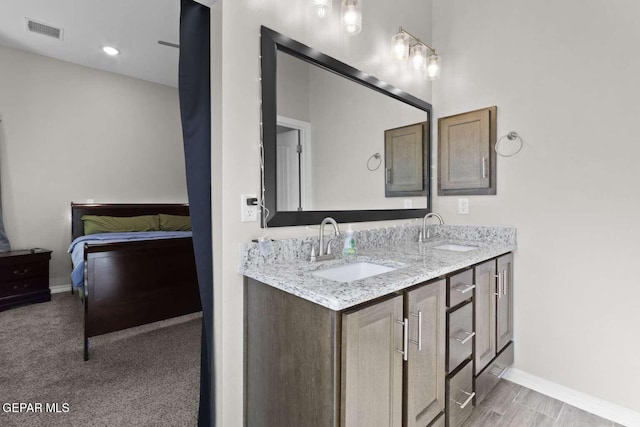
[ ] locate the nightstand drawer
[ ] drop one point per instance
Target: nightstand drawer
(24, 270)
(19, 287)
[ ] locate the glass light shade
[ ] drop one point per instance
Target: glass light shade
(400, 46)
(419, 56)
(351, 16)
(321, 8)
(433, 67)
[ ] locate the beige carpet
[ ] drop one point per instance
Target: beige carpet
(145, 376)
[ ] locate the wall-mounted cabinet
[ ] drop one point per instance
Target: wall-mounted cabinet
(466, 153)
(405, 162)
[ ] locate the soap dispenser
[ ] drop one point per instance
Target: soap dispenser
(349, 248)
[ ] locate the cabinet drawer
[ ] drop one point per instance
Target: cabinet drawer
(19, 287)
(24, 270)
(492, 374)
(461, 336)
(460, 396)
(460, 288)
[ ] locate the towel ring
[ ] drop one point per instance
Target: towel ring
(511, 136)
(374, 156)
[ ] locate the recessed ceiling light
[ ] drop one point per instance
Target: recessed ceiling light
(111, 50)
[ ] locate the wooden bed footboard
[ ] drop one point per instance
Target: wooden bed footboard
(133, 283)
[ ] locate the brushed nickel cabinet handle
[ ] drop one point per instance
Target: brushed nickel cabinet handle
(466, 402)
(466, 339)
(484, 167)
(388, 176)
(499, 285)
(419, 342)
(504, 283)
(501, 373)
(405, 339)
(463, 289)
(21, 273)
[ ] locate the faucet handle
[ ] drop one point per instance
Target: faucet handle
(313, 250)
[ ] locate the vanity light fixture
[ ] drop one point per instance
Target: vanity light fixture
(422, 56)
(110, 50)
(351, 16)
(321, 8)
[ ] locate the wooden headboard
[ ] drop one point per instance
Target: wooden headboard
(120, 209)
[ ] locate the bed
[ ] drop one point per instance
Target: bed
(133, 283)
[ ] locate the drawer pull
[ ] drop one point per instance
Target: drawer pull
(21, 273)
(405, 339)
(466, 402)
(419, 342)
(499, 374)
(463, 289)
(466, 339)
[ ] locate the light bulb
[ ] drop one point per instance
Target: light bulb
(433, 67)
(321, 8)
(110, 50)
(400, 46)
(419, 56)
(352, 16)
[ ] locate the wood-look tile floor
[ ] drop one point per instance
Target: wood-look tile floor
(511, 405)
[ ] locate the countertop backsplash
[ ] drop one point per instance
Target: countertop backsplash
(299, 248)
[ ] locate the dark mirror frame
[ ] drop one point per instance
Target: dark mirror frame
(270, 43)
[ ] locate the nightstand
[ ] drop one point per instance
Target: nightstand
(24, 277)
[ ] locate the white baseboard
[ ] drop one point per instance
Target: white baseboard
(586, 402)
(58, 289)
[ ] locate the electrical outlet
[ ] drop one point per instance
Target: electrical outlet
(408, 203)
(463, 206)
(248, 213)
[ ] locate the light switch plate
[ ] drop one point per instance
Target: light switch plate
(463, 206)
(248, 213)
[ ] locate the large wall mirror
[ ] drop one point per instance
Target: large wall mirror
(324, 126)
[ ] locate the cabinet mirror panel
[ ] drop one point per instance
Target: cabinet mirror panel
(324, 126)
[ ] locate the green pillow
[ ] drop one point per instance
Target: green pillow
(175, 222)
(112, 224)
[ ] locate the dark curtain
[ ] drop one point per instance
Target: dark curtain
(195, 110)
(4, 240)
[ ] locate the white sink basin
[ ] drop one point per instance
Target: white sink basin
(455, 248)
(352, 271)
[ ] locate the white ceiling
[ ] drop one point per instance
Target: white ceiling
(132, 26)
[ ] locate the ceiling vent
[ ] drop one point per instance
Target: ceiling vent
(44, 29)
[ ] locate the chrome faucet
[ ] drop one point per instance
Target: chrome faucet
(424, 233)
(322, 254)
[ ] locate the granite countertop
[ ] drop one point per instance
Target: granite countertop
(414, 262)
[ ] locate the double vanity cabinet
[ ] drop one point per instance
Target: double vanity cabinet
(420, 356)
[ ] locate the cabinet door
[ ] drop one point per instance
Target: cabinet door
(466, 154)
(485, 314)
(504, 315)
(404, 150)
(372, 366)
(425, 392)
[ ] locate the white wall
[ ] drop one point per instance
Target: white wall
(564, 76)
(239, 149)
(344, 135)
(71, 133)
